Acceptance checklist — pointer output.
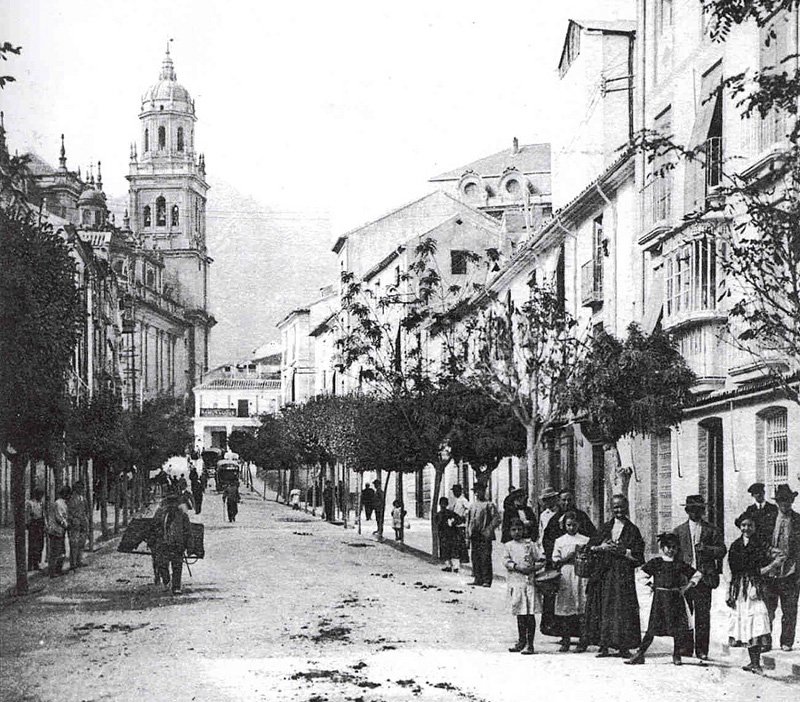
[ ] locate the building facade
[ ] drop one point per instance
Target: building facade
(234, 396)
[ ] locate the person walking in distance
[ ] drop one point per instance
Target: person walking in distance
(197, 490)
(398, 517)
(447, 531)
(56, 531)
(459, 504)
(380, 506)
(78, 521)
(783, 579)
(34, 522)
(368, 501)
(327, 501)
(482, 520)
(700, 546)
(170, 537)
(231, 498)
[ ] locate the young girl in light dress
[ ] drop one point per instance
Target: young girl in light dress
(571, 595)
(749, 559)
(522, 560)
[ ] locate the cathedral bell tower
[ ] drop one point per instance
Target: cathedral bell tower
(167, 202)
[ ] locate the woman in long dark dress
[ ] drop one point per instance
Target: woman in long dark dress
(612, 608)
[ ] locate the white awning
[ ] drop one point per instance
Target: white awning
(654, 305)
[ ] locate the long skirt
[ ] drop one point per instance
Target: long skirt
(749, 621)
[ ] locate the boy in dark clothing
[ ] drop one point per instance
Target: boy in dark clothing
(170, 537)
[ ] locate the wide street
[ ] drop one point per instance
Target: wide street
(285, 607)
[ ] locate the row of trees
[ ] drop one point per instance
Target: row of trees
(41, 319)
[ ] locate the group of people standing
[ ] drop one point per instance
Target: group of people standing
(581, 579)
(66, 518)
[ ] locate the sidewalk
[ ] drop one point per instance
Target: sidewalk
(8, 564)
(418, 537)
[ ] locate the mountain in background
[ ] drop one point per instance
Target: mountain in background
(266, 263)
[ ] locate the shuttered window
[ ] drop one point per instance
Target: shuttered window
(664, 468)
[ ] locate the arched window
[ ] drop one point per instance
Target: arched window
(161, 212)
(180, 138)
(162, 138)
(146, 140)
(146, 216)
(175, 216)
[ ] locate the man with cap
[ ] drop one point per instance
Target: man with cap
(783, 582)
(702, 547)
(762, 512)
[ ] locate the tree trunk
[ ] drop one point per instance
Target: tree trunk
(104, 501)
(89, 483)
(18, 464)
(358, 498)
(126, 498)
(399, 496)
(438, 475)
(117, 502)
(532, 460)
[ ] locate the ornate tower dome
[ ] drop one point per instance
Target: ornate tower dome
(167, 93)
(167, 117)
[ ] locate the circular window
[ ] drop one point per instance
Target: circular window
(471, 190)
(512, 186)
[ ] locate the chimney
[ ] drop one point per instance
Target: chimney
(515, 147)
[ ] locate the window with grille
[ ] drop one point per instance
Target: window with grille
(776, 454)
(664, 473)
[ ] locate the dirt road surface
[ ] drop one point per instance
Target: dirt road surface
(285, 607)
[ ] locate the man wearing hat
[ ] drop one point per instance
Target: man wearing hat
(783, 582)
(170, 536)
(702, 547)
(762, 513)
(549, 499)
(515, 507)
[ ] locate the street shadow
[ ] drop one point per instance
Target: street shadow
(139, 598)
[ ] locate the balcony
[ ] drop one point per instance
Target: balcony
(217, 411)
(704, 349)
(765, 140)
(592, 283)
(691, 266)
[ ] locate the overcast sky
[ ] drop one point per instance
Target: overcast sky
(343, 106)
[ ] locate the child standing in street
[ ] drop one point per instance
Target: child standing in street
(398, 515)
(749, 560)
(522, 560)
(571, 595)
(446, 529)
(669, 613)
